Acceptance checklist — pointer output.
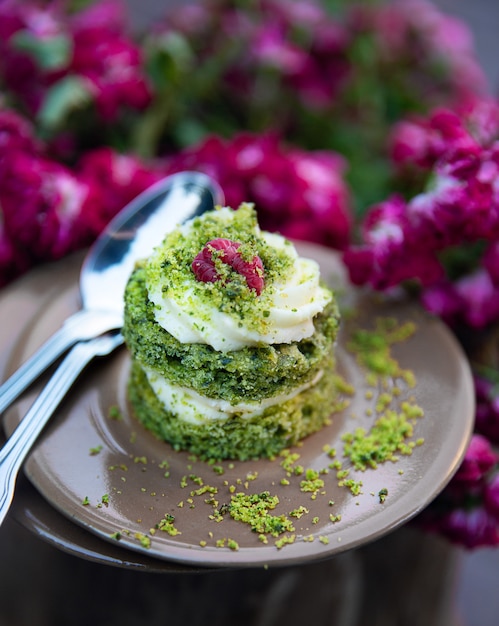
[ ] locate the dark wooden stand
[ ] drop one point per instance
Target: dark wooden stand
(404, 579)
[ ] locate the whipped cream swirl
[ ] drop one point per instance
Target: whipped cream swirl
(283, 313)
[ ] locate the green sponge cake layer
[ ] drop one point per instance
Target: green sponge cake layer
(237, 437)
(246, 374)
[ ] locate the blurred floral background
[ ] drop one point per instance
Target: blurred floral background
(365, 126)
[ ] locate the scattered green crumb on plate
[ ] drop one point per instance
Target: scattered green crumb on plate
(373, 349)
(253, 509)
(167, 524)
(382, 494)
(143, 539)
(285, 540)
(114, 413)
(390, 435)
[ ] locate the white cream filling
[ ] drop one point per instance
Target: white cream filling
(190, 406)
(290, 307)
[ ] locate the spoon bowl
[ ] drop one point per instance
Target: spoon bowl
(135, 231)
(131, 235)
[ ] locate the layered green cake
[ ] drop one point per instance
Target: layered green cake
(231, 336)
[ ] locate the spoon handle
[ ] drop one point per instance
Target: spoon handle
(16, 448)
(80, 326)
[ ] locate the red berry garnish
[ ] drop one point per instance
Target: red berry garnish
(204, 269)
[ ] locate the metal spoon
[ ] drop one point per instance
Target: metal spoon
(18, 445)
(131, 235)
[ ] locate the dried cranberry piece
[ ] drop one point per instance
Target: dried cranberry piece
(204, 269)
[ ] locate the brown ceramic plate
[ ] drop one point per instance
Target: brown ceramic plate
(19, 304)
(118, 469)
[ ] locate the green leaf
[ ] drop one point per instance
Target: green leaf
(51, 53)
(189, 132)
(169, 56)
(63, 97)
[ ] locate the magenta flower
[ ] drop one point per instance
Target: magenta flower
(392, 253)
(314, 71)
(48, 210)
(415, 33)
(109, 61)
(113, 180)
(471, 528)
(107, 15)
(270, 47)
(491, 497)
(299, 13)
(487, 408)
(324, 215)
(269, 51)
(34, 48)
(479, 459)
(444, 133)
(16, 134)
(480, 298)
(220, 161)
(423, 142)
(460, 207)
(449, 38)
(491, 261)
(41, 201)
(472, 300)
(41, 48)
(443, 300)
(328, 67)
(301, 194)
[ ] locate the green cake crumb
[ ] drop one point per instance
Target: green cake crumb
(355, 486)
(115, 413)
(382, 494)
(388, 436)
(144, 540)
(253, 509)
(299, 512)
(285, 540)
(167, 524)
(312, 483)
(373, 349)
(232, 544)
